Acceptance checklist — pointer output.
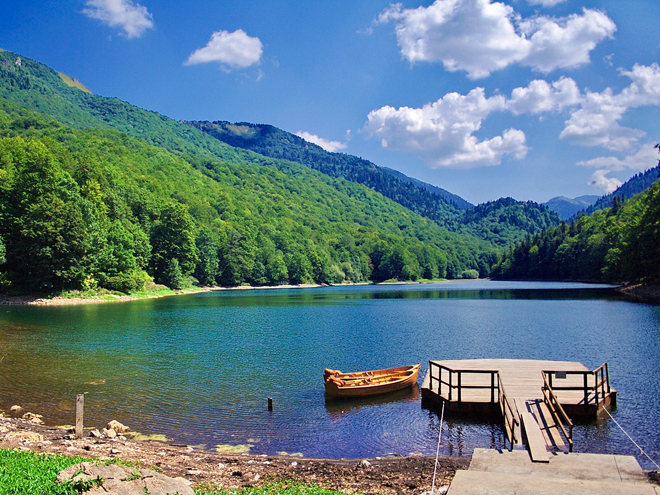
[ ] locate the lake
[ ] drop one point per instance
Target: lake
(200, 368)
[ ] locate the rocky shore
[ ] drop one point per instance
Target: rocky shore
(211, 470)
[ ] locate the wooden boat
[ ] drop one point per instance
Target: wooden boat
(366, 383)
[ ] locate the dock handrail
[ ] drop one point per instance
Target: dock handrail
(557, 411)
(458, 385)
(600, 388)
(511, 418)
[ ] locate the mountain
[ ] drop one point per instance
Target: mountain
(432, 202)
(569, 207)
(506, 221)
(500, 222)
(99, 193)
(617, 244)
(636, 184)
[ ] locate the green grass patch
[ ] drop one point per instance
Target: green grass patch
(29, 473)
(279, 488)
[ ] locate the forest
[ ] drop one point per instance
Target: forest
(617, 244)
(85, 209)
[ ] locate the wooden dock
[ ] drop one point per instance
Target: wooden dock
(534, 399)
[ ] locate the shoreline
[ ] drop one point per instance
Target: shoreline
(28, 300)
(387, 475)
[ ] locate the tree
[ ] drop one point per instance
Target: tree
(173, 238)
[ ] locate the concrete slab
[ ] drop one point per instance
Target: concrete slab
(492, 483)
(598, 467)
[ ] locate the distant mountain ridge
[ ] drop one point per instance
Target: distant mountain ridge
(569, 207)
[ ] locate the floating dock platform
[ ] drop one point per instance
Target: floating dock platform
(535, 399)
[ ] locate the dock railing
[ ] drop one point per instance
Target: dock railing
(592, 394)
(453, 382)
(510, 416)
(563, 422)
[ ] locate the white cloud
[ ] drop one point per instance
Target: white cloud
(565, 42)
(330, 146)
(643, 159)
(480, 36)
(134, 19)
(234, 50)
(596, 122)
(441, 133)
(606, 184)
(540, 96)
(545, 3)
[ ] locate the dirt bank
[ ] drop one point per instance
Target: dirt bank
(386, 475)
(646, 293)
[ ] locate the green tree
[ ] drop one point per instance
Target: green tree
(173, 238)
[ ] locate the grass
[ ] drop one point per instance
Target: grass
(70, 81)
(27, 473)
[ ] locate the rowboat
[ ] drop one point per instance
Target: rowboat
(366, 383)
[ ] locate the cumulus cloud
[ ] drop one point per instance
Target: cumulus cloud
(134, 19)
(545, 3)
(480, 36)
(596, 122)
(234, 50)
(564, 42)
(643, 159)
(330, 146)
(442, 133)
(540, 96)
(606, 184)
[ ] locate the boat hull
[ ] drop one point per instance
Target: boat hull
(368, 383)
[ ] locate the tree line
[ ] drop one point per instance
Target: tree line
(618, 244)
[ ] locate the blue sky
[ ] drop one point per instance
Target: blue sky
(524, 98)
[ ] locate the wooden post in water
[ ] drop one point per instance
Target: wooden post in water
(270, 403)
(80, 405)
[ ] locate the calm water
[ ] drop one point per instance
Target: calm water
(200, 368)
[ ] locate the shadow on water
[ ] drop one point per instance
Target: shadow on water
(340, 407)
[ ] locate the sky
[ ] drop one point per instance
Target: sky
(530, 99)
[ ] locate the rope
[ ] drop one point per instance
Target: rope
(641, 450)
(437, 451)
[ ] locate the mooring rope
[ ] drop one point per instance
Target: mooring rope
(437, 451)
(631, 439)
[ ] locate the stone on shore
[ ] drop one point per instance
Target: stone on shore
(117, 426)
(115, 480)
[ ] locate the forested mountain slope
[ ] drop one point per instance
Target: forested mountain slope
(617, 244)
(436, 204)
(569, 207)
(501, 222)
(93, 207)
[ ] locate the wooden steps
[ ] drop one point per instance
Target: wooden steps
(503, 473)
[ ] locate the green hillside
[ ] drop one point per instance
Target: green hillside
(617, 244)
(85, 208)
(501, 222)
